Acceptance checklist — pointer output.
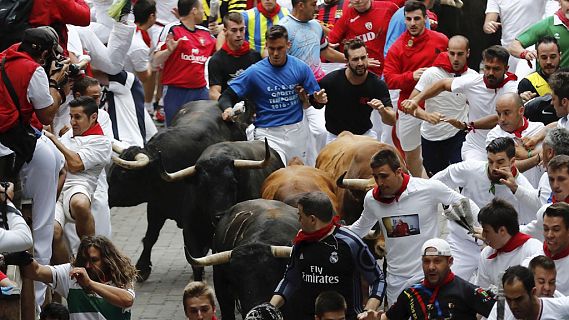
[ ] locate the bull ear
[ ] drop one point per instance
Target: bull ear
(176, 176)
(211, 260)
(254, 164)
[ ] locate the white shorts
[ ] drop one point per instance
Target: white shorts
(408, 131)
(288, 140)
(62, 210)
(396, 285)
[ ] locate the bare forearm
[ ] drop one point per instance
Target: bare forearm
(72, 158)
(516, 48)
(526, 164)
(214, 92)
(434, 90)
(488, 122)
(372, 304)
(387, 115)
(160, 57)
(277, 301)
(115, 296)
(332, 55)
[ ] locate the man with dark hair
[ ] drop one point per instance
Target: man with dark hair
(354, 93)
(199, 301)
(524, 303)
(235, 56)
(54, 311)
(482, 92)
(330, 305)
(324, 257)
(559, 83)
(183, 50)
(481, 181)
(513, 124)
(408, 58)
(397, 196)
(86, 153)
(273, 84)
(556, 244)
(544, 276)
(454, 297)
(506, 245)
(535, 84)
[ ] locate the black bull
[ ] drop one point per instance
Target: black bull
(251, 244)
(197, 126)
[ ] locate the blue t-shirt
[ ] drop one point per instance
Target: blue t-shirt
(272, 90)
(396, 28)
(307, 40)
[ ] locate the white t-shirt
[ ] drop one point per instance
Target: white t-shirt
(19, 237)
(563, 123)
(562, 280)
(407, 223)
(535, 228)
(534, 174)
(452, 105)
(482, 103)
(533, 198)
(516, 16)
(164, 13)
(490, 271)
(95, 152)
(552, 309)
(138, 56)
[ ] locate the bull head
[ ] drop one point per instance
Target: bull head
(238, 163)
(225, 256)
(355, 184)
(141, 160)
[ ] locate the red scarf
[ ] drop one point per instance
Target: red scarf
(507, 77)
(94, 130)
(318, 234)
(376, 193)
(267, 14)
(245, 48)
(562, 17)
(553, 200)
(447, 280)
(564, 253)
(515, 242)
(442, 61)
(145, 36)
(518, 131)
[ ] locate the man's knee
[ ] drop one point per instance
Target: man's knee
(79, 206)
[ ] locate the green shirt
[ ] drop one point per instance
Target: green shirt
(550, 26)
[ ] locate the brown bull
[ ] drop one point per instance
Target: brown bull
(351, 153)
(287, 184)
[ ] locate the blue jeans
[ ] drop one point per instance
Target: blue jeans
(176, 97)
(437, 155)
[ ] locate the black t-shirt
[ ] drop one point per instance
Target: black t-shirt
(347, 108)
(459, 299)
(222, 67)
(537, 111)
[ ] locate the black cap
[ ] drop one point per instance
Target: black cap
(44, 37)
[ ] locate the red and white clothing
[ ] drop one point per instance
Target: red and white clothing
(472, 177)
(369, 26)
(551, 309)
(529, 129)
(185, 68)
(482, 103)
(493, 264)
(561, 265)
(138, 56)
(408, 221)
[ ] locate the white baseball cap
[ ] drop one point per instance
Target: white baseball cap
(441, 246)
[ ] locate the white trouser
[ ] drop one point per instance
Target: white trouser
(317, 124)
(288, 140)
(39, 179)
(331, 137)
(408, 131)
(396, 285)
(465, 251)
(382, 130)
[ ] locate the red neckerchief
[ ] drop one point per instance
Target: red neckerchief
(433, 19)
(564, 253)
(94, 130)
(213, 318)
(507, 77)
(553, 200)
(515, 242)
(376, 193)
(315, 236)
(518, 131)
(245, 48)
(447, 280)
(145, 36)
(442, 61)
(267, 14)
(562, 17)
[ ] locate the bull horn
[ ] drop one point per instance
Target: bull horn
(211, 260)
(281, 251)
(254, 164)
(118, 149)
(178, 175)
(140, 161)
(355, 184)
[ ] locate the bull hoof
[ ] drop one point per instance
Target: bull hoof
(143, 273)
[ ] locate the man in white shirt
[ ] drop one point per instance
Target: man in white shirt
(556, 244)
(481, 182)
(524, 303)
(86, 153)
(17, 237)
(506, 245)
(407, 211)
(481, 91)
(559, 83)
(441, 142)
(544, 276)
(513, 124)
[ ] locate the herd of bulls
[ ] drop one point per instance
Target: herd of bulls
(220, 189)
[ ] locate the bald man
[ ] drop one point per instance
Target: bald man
(441, 142)
(513, 124)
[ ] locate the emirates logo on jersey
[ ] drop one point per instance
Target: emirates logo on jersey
(369, 25)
